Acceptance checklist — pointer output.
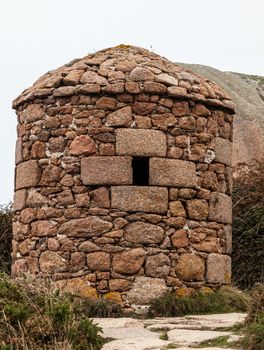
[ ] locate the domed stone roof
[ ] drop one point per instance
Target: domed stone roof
(115, 70)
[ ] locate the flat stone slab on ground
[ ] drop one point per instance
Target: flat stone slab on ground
(193, 336)
(128, 334)
(204, 348)
(136, 334)
(210, 322)
(136, 344)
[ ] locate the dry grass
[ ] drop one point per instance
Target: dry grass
(36, 315)
(222, 301)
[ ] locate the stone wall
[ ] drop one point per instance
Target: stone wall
(79, 216)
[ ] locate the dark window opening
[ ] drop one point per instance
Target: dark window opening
(140, 166)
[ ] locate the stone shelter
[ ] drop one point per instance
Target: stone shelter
(123, 178)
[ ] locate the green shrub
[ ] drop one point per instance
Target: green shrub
(101, 308)
(85, 336)
(222, 301)
(248, 227)
(35, 315)
(5, 237)
(254, 330)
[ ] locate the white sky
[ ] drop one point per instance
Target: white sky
(40, 35)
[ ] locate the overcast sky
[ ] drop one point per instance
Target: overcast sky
(40, 35)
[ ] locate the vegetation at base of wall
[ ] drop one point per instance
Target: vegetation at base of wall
(5, 237)
(254, 328)
(36, 315)
(224, 300)
(248, 227)
(222, 342)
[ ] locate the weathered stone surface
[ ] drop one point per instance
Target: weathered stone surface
(197, 152)
(19, 201)
(172, 172)
(141, 74)
(82, 200)
(89, 247)
(82, 145)
(200, 109)
(19, 151)
(223, 151)
(125, 65)
(43, 228)
(129, 262)
(51, 174)
(93, 78)
(36, 199)
(73, 77)
(27, 174)
(228, 239)
(20, 231)
(64, 91)
(180, 108)
(38, 150)
(179, 239)
(106, 149)
(154, 88)
(177, 209)
(114, 297)
(143, 108)
(185, 337)
(57, 144)
(26, 246)
(187, 193)
(53, 244)
(140, 198)
(77, 261)
(101, 197)
(132, 87)
(190, 267)
(90, 89)
(166, 79)
(52, 262)
(78, 286)
(145, 289)
(139, 142)
(211, 245)
(121, 117)
(220, 208)
(174, 152)
(119, 284)
(218, 268)
(209, 180)
(32, 113)
(86, 227)
(177, 91)
(98, 261)
(106, 103)
(176, 222)
(157, 266)
(65, 198)
(163, 121)
(143, 233)
(19, 267)
(197, 209)
(106, 170)
(116, 88)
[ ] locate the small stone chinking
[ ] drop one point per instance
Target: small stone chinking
(80, 216)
